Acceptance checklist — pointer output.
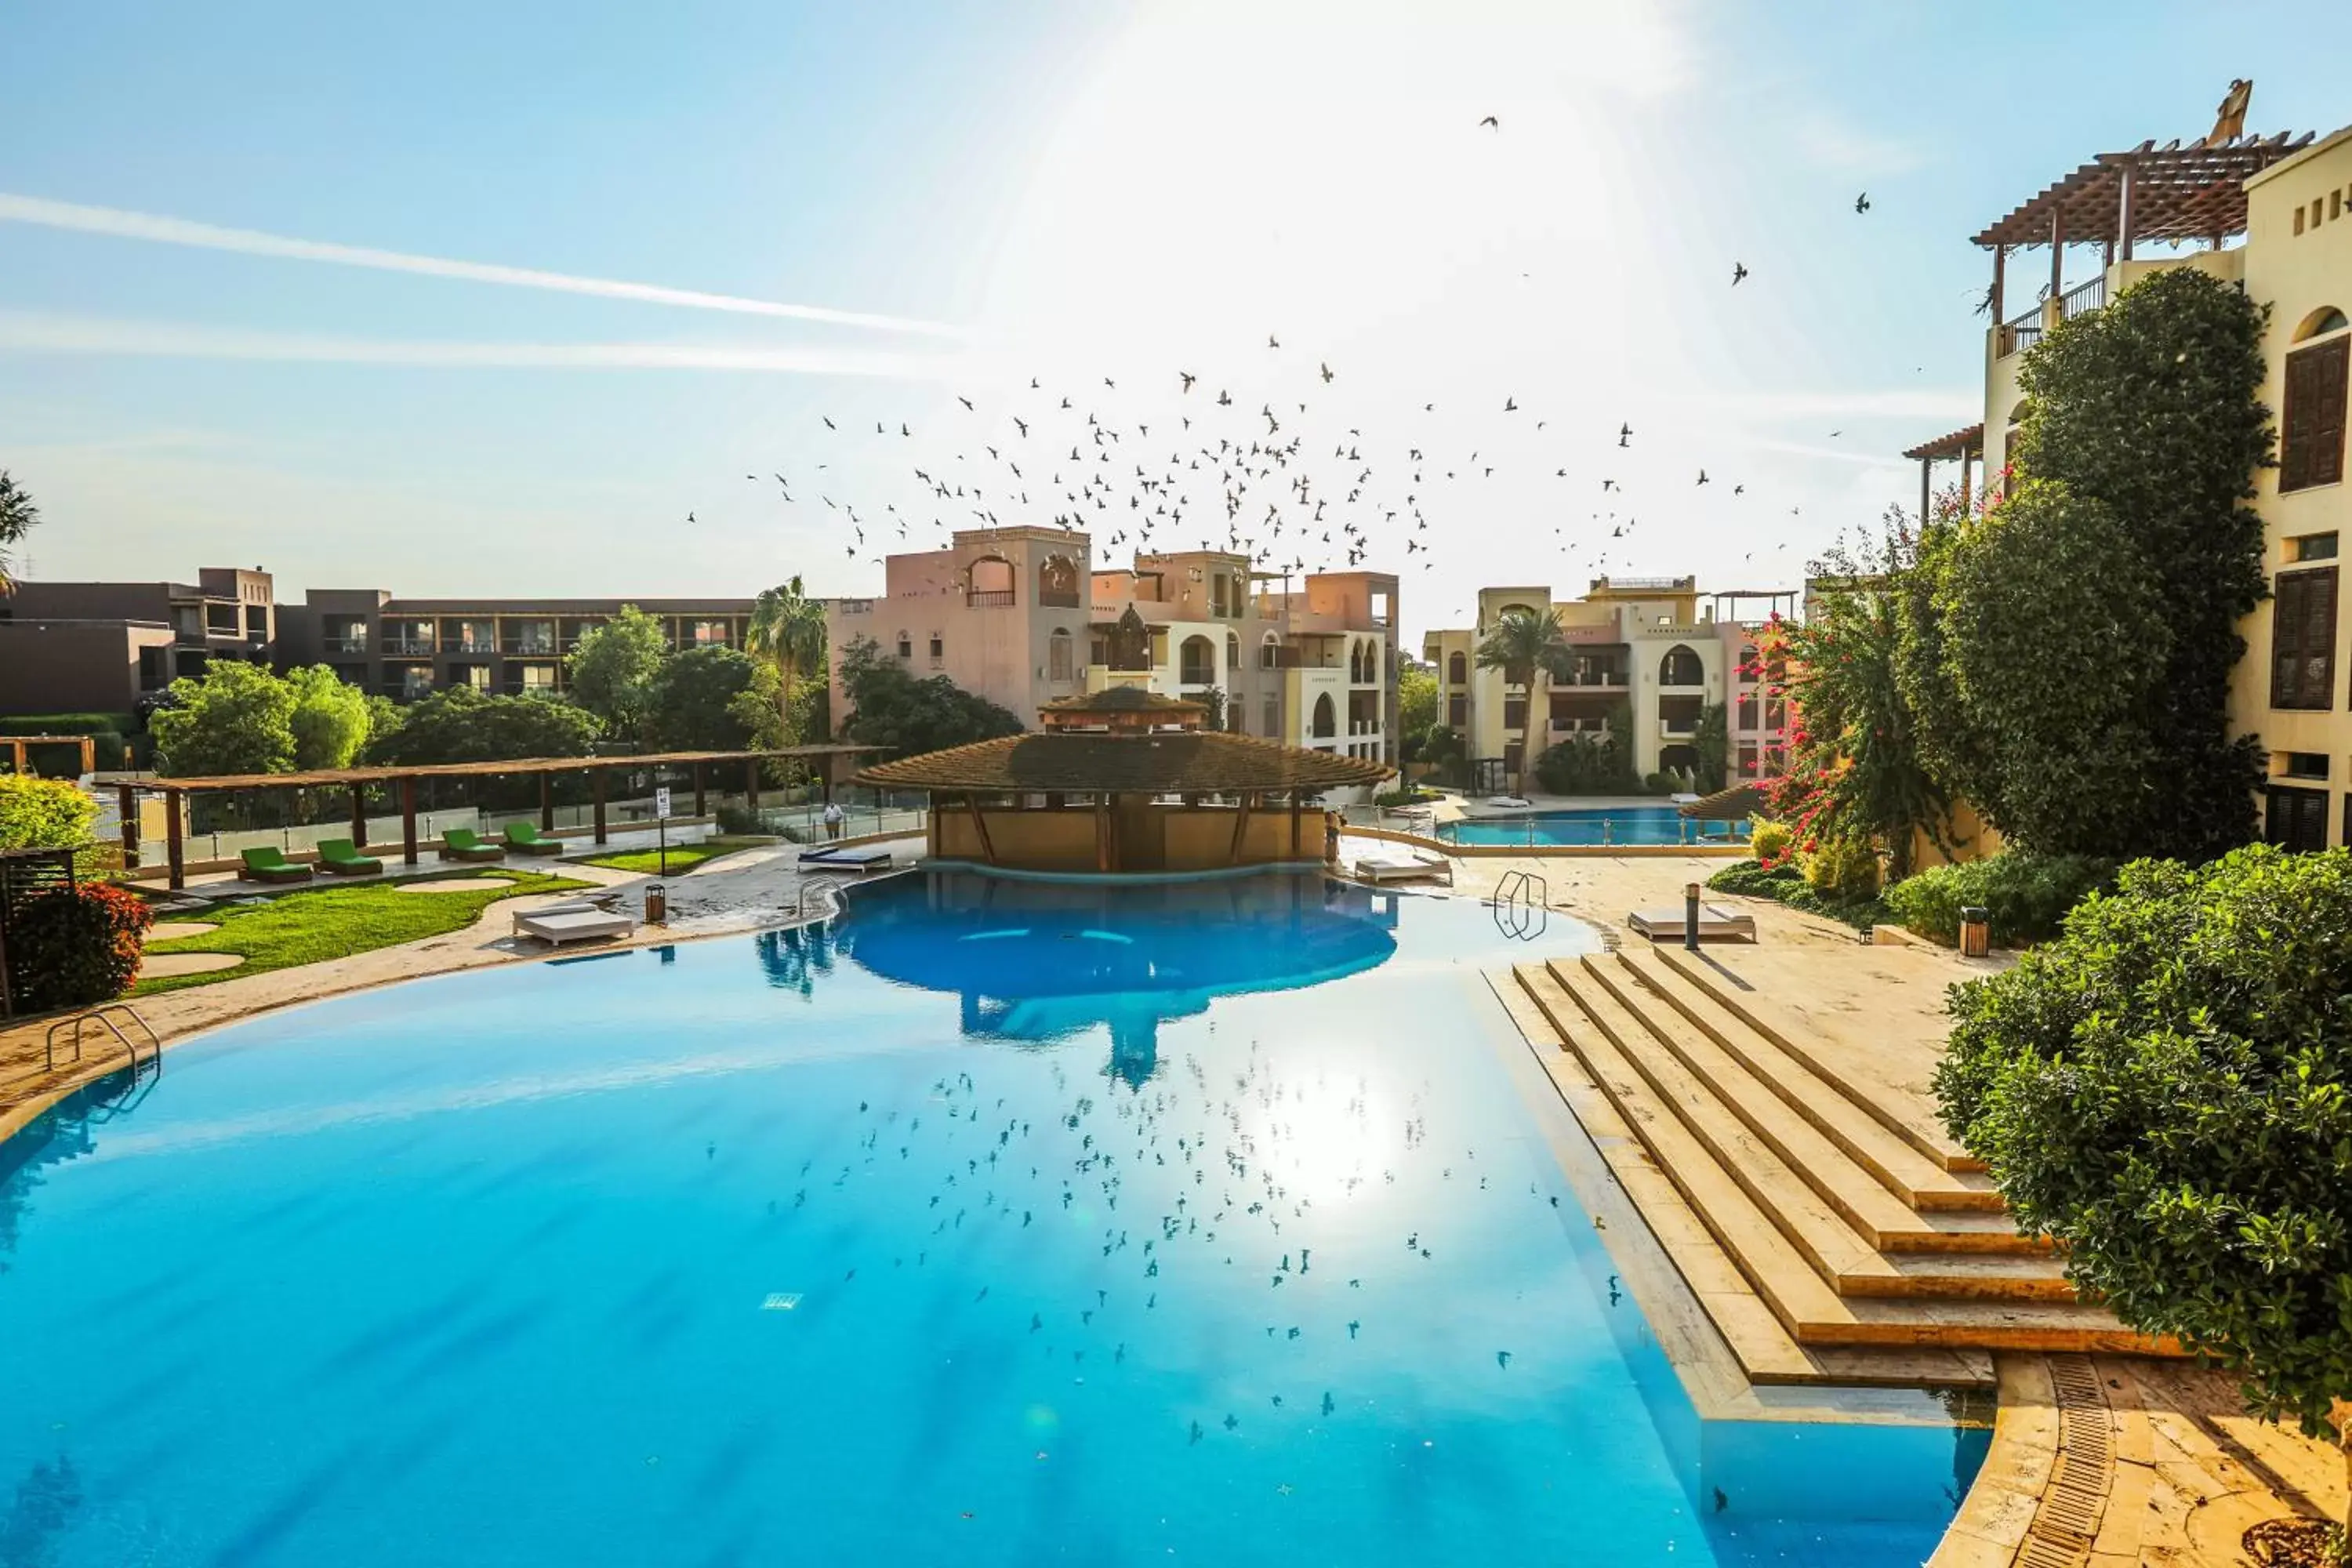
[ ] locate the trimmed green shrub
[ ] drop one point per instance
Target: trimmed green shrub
(1770, 840)
(1785, 884)
(1755, 880)
(75, 947)
(2027, 895)
(70, 724)
(2166, 1089)
(43, 814)
(1844, 869)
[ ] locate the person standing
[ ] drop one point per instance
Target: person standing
(833, 819)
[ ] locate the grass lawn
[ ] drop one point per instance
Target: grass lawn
(336, 922)
(683, 858)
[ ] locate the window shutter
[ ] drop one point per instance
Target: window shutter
(2296, 819)
(2311, 424)
(2303, 639)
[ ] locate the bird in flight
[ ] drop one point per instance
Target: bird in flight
(1702, 476)
(965, 401)
(828, 422)
(689, 517)
(1327, 374)
(1185, 376)
(1739, 273)
(1491, 124)
(1271, 342)
(1862, 203)
(1624, 435)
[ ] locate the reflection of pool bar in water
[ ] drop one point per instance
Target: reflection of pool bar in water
(992, 1221)
(1600, 826)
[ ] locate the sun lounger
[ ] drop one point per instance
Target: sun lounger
(1715, 924)
(268, 865)
(857, 857)
(576, 925)
(465, 844)
(339, 857)
(524, 839)
(1396, 865)
(1509, 802)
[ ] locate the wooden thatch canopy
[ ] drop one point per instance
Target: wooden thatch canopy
(2168, 193)
(1737, 803)
(1122, 708)
(1205, 762)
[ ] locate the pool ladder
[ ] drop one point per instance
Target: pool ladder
(104, 1018)
(1522, 906)
(830, 886)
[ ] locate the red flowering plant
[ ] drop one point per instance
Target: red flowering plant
(72, 947)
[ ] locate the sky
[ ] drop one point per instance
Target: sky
(511, 299)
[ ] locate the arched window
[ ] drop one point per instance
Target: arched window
(2327, 319)
(2312, 413)
(1196, 662)
(1232, 655)
(1057, 583)
(1059, 663)
(1327, 718)
(906, 646)
(1681, 666)
(1457, 668)
(991, 581)
(1269, 653)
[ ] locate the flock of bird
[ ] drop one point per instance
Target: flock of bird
(1306, 481)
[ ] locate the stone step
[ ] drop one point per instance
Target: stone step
(1817, 1212)
(1790, 1036)
(1787, 1281)
(1869, 1191)
(1759, 1344)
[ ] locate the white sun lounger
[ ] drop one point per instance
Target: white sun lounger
(1392, 866)
(573, 925)
(1715, 924)
(1509, 802)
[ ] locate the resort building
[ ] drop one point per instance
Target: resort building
(405, 648)
(1023, 617)
(1644, 653)
(71, 648)
(2273, 214)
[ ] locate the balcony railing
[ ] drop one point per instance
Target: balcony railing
(2022, 332)
(990, 599)
(407, 647)
(469, 645)
(349, 642)
(2083, 299)
(536, 647)
(1677, 729)
(1058, 599)
(1580, 726)
(853, 606)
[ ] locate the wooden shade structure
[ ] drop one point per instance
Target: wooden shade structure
(175, 791)
(1966, 446)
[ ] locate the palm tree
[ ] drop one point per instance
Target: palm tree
(1523, 642)
(18, 515)
(788, 630)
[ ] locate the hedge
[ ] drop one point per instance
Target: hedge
(2026, 895)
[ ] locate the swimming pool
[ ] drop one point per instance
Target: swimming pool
(1593, 824)
(1004, 1223)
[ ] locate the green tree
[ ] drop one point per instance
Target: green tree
(2152, 408)
(1713, 744)
(1416, 701)
(43, 814)
(330, 720)
(2054, 633)
(237, 718)
(1853, 770)
(17, 515)
(1522, 643)
(2167, 1090)
(788, 630)
(614, 668)
(460, 724)
(696, 704)
(888, 707)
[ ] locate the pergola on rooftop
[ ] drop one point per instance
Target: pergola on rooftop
(1126, 780)
(402, 781)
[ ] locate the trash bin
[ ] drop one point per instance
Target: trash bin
(1975, 930)
(657, 906)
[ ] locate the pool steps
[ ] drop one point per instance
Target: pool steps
(1824, 1245)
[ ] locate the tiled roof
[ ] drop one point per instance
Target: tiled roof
(1086, 763)
(1123, 699)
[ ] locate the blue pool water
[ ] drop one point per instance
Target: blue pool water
(1593, 825)
(1003, 1223)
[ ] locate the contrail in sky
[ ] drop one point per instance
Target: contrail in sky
(252, 242)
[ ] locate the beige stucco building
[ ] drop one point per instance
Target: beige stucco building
(2273, 214)
(1646, 645)
(1025, 616)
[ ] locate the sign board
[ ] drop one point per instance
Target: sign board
(661, 801)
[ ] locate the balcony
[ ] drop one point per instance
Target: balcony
(853, 606)
(530, 646)
(1677, 729)
(2022, 333)
(1580, 727)
(347, 642)
(476, 645)
(408, 647)
(990, 599)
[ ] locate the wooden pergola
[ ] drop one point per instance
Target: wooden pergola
(359, 781)
(1965, 446)
(18, 744)
(2170, 194)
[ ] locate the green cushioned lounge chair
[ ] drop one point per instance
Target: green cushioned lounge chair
(268, 865)
(465, 844)
(341, 857)
(524, 839)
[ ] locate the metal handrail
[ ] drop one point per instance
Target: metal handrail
(832, 885)
(99, 1016)
(1522, 906)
